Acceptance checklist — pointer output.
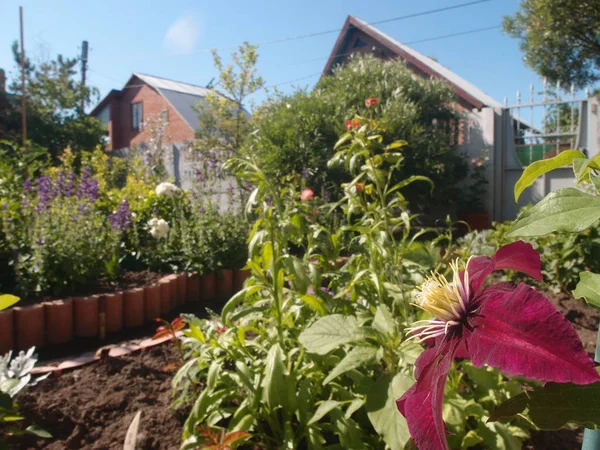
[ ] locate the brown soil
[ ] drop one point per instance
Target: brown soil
(127, 280)
(92, 408)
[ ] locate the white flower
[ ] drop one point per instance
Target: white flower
(166, 189)
(159, 228)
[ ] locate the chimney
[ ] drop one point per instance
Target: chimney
(2, 81)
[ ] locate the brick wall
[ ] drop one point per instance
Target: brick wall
(153, 104)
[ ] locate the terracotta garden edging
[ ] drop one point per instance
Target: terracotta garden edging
(60, 321)
(152, 302)
(225, 284)
(208, 287)
(239, 278)
(85, 316)
(133, 308)
(7, 331)
(30, 326)
(193, 288)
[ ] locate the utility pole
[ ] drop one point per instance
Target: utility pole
(84, 60)
(23, 108)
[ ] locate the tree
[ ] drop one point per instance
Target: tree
(298, 132)
(224, 123)
(55, 117)
(560, 38)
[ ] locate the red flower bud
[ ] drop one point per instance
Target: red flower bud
(359, 187)
(351, 124)
(371, 102)
(306, 195)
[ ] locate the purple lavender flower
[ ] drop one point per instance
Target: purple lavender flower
(45, 193)
(305, 174)
(27, 186)
(121, 220)
(326, 196)
(148, 158)
(88, 186)
(5, 206)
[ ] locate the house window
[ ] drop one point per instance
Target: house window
(136, 116)
(359, 43)
(164, 115)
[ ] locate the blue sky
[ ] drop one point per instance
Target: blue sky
(170, 38)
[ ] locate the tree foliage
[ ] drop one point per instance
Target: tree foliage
(224, 123)
(560, 38)
(55, 106)
(297, 133)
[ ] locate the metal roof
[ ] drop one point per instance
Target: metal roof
(184, 104)
(170, 85)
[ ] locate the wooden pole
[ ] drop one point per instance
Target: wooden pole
(23, 107)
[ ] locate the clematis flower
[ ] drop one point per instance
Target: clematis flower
(306, 195)
(513, 328)
(371, 102)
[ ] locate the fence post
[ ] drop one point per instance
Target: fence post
(591, 438)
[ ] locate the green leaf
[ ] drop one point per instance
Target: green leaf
(353, 359)
(315, 303)
(12, 418)
(323, 409)
(329, 332)
(383, 413)
(554, 405)
(470, 439)
(274, 381)
(538, 168)
(354, 406)
(7, 300)
(37, 431)
(566, 209)
(497, 436)
(588, 288)
(384, 322)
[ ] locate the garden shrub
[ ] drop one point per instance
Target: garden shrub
(311, 355)
(297, 133)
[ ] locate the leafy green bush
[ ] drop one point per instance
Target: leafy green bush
(314, 352)
(297, 133)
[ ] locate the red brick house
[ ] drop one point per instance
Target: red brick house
(360, 37)
(124, 112)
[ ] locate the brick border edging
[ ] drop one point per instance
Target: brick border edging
(101, 314)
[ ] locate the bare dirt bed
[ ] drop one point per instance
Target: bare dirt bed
(91, 408)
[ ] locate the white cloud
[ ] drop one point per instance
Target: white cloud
(183, 35)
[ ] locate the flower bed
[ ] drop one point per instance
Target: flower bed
(61, 321)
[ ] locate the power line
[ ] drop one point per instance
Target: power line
(435, 38)
(303, 36)
(419, 41)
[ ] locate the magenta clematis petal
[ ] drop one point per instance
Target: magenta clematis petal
(422, 404)
(522, 333)
(516, 256)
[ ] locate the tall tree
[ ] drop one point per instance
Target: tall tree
(224, 121)
(560, 38)
(55, 118)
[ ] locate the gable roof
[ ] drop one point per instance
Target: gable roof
(468, 92)
(182, 96)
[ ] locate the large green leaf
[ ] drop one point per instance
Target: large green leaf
(556, 404)
(383, 321)
(329, 332)
(538, 168)
(355, 358)
(588, 288)
(324, 408)
(566, 209)
(274, 382)
(7, 300)
(383, 413)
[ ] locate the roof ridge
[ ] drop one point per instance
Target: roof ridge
(168, 79)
